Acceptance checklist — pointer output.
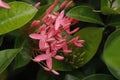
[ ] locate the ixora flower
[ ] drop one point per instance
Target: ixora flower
(4, 5)
(52, 36)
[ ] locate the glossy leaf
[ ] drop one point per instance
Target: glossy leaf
(61, 65)
(110, 8)
(112, 51)
(70, 77)
(115, 72)
(15, 17)
(114, 20)
(23, 58)
(92, 37)
(80, 56)
(85, 13)
(6, 57)
(99, 77)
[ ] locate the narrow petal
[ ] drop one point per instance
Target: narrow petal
(63, 4)
(79, 43)
(35, 23)
(50, 39)
(58, 57)
(4, 5)
(67, 51)
(46, 69)
(51, 7)
(49, 63)
(68, 4)
(42, 28)
(54, 72)
(37, 5)
(40, 58)
(73, 31)
(42, 44)
(35, 36)
(59, 19)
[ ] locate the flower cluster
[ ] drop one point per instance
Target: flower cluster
(4, 5)
(53, 35)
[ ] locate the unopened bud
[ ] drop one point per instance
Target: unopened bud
(37, 5)
(35, 23)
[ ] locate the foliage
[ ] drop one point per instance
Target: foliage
(97, 59)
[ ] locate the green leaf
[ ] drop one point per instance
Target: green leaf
(1, 40)
(61, 65)
(99, 77)
(70, 77)
(114, 20)
(15, 17)
(85, 13)
(108, 8)
(80, 56)
(23, 58)
(6, 57)
(92, 37)
(115, 72)
(112, 51)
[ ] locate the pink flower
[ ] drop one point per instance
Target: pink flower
(4, 5)
(53, 36)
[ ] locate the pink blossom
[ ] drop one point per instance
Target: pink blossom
(4, 5)
(53, 36)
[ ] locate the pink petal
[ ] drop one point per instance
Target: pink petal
(73, 31)
(4, 5)
(73, 39)
(47, 69)
(63, 4)
(59, 19)
(74, 21)
(53, 53)
(59, 57)
(67, 51)
(35, 36)
(69, 4)
(42, 28)
(37, 5)
(79, 43)
(35, 23)
(43, 45)
(49, 63)
(52, 16)
(54, 72)
(51, 7)
(51, 31)
(50, 39)
(40, 58)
